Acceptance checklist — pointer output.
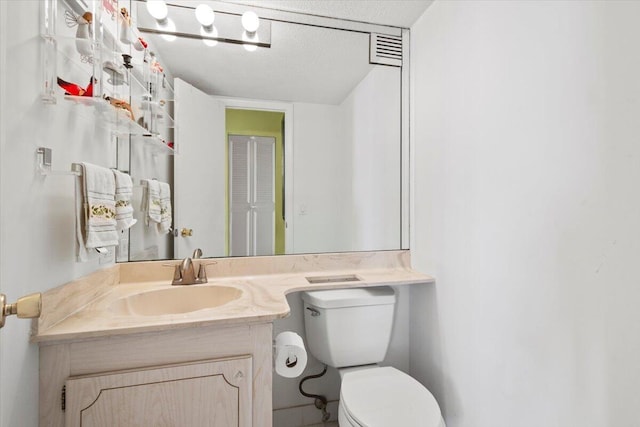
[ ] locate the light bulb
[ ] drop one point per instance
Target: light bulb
(248, 38)
(167, 25)
(209, 32)
(205, 15)
(250, 21)
(158, 9)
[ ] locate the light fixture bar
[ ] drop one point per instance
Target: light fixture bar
(184, 24)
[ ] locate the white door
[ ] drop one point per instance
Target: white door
(199, 174)
(252, 195)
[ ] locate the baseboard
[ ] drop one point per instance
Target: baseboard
(303, 415)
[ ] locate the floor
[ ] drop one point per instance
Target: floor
(329, 424)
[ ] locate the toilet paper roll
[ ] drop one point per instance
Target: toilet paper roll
(290, 355)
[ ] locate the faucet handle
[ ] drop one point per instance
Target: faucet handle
(202, 273)
(177, 274)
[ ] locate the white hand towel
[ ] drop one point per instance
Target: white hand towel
(96, 209)
(165, 208)
(151, 201)
(124, 192)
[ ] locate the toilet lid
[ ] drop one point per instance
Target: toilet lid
(385, 397)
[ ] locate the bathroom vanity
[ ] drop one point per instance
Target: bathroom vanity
(179, 377)
(124, 347)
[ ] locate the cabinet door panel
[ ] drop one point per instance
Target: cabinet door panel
(214, 393)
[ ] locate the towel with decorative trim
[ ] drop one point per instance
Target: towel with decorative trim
(151, 201)
(95, 209)
(124, 192)
(165, 208)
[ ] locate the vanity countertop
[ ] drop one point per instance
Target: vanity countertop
(89, 308)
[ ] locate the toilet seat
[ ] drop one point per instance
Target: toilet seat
(386, 397)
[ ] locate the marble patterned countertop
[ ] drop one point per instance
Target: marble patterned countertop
(92, 307)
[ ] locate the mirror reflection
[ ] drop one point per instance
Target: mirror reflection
(292, 148)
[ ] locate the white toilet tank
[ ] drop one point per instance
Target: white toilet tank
(349, 327)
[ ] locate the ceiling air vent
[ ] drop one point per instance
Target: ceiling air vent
(385, 50)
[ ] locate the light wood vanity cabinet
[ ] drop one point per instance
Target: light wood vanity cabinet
(200, 376)
(215, 393)
(122, 368)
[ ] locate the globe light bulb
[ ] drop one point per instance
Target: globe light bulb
(250, 21)
(209, 32)
(205, 15)
(169, 26)
(158, 9)
(248, 38)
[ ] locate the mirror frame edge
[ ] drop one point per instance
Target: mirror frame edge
(406, 148)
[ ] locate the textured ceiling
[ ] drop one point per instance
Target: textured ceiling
(304, 64)
(399, 13)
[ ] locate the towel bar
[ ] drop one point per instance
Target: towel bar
(44, 164)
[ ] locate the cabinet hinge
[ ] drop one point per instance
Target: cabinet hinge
(63, 398)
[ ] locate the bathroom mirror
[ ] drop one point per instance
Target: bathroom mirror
(308, 149)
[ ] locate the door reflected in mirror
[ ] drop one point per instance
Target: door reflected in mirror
(255, 207)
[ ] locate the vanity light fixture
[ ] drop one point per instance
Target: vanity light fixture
(233, 25)
(205, 16)
(158, 9)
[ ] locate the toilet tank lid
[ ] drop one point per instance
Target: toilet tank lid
(339, 298)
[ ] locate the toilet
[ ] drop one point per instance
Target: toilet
(350, 329)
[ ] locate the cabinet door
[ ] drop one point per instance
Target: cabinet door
(214, 393)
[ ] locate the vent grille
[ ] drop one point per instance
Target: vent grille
(385, 50)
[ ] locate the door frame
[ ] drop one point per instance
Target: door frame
(3, 107)
(287, 109)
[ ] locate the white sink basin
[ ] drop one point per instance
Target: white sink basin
(175, 300)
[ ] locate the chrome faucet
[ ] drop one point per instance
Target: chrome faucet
(185, 273)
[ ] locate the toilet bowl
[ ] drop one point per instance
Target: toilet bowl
(385, 397)
(339, 325)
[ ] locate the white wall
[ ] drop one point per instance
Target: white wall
(37, 249)
(371, 115)
(527, 211)
(322, 180)
(347, 169)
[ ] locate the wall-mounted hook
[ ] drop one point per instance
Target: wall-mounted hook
(45, 159)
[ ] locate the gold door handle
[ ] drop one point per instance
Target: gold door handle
(27, 307)
(186, 232)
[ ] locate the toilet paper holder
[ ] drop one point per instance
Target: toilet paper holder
(291, 360)
(289, 354)
(291, 363)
